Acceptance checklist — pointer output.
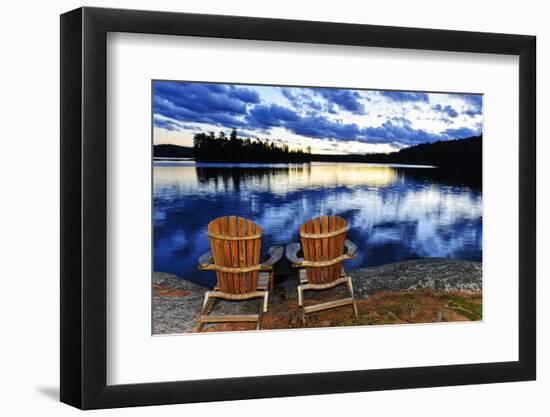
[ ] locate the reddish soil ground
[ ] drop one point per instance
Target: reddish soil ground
(382, 308)
(168, 292)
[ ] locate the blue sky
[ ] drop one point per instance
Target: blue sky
(330, 120)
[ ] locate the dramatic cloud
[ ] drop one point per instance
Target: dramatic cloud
(401, 97)
(396, 130)
(297, 115)
(331, 99)
(448, 110)
(345, 99)
(472, 113)
(474, 103)
(167, 124)
(300, 99)
(318, 127)
(270, 116)
(399, 130)
(217, 104)
(461, 132)
(474, 99)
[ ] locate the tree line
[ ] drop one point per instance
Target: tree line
(465, 152)
(223, 148)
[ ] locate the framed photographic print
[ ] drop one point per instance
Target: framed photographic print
(258, 208)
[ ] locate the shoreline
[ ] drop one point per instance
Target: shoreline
(429, 289)
(253, 164)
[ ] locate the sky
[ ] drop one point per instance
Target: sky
(329, 120)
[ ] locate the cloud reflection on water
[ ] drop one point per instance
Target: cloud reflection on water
(393, 213)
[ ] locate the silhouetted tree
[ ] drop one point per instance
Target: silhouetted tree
(453, 153)
(234, 149)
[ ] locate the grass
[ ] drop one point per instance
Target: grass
(380, 309)
(471, 308)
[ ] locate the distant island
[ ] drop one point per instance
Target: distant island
(464, 152)
(173, 151)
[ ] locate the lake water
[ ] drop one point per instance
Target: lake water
(394, 212)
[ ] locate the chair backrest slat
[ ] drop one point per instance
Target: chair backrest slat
(217, 251)
(226, 245)
(331, 242)
(324, 244)
(235, 243)
(323, 239)
(318, 247)
(241, 231)
(253, 248)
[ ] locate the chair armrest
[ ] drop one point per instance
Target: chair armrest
(291, 254)
(351, 248)
(292, 250)
(275, 255)
(205, 260)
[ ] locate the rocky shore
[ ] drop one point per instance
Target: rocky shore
(415, 291)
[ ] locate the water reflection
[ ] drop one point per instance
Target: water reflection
(395, 213)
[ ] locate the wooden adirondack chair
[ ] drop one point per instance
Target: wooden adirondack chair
(324, 247)
(235, 257)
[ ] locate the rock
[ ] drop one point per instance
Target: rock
(435, 273)
(177, 303)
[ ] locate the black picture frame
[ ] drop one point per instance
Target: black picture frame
(84, 207)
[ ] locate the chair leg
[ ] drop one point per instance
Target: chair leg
(266, 301)
(211, 304)
(206, 305)
(350, 288)
(198, 326)
(271, 282)
(301, 303)
(206, 296)
(210, 299)
(261, 314)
